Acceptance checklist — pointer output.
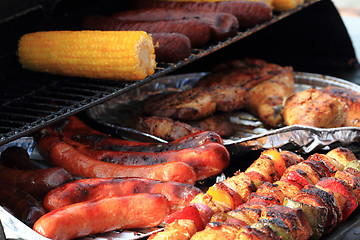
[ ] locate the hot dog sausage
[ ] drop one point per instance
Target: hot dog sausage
(35, 182)
(195, 29)
(107, 214)
(63, 154)
(222, 25)
(178, 194)
(207, 160)
(22, 205)
(171, 47)
(76, 130)
(248, 13)
(18, 158)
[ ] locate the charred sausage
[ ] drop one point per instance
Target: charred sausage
(65, 155)
(207, 160)
(35, 182)
(222, 25)
(178, 194)
(195, 29)
(107, 214)
(18, 158)
(22, 205)
(171, 47)
(76, 130)
(248, 13)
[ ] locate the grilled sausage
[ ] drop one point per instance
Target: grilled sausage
(63, 154)
(107, 214)
(222, 25)
(171, 47)
(248, 13)
(207, 160)
(195, 29)
(76, 130)
(22, 205)
(18, 158)
(35, 182)
(178, 194)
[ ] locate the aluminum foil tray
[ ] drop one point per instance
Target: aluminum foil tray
(251, 134)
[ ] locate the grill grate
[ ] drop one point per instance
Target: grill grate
(31, 101)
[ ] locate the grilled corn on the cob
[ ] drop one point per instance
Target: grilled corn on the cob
(116, 55)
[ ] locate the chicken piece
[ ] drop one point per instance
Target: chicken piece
(190, 104)
(224, 90)
(268, 192)
(240, 73)
(242, 184)
(342, 155)
(265, 100)
(350, 101)
(352, 182)
(218, 231)
(328, 107)
(251, 233)
(294, 219)
(314, 196)
(289, 189)
(164, 127)
(313, 108)
(262, 170)
(219, 123)
(182, 229)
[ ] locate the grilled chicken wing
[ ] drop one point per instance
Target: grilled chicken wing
(324, 108)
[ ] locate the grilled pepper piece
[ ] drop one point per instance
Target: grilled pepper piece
(316, 216)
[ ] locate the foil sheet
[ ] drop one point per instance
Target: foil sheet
(251, 134)
(253, 137)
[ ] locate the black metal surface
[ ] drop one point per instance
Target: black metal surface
(31, 101)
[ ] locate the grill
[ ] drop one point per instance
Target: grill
(30, 101)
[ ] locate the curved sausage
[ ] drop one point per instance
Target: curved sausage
(35, 182)
(178, 194)
(22, 205)
(195, 29)
(107, 214)
(222, 25)
(63, 154)
(76, 130)
(207, 160)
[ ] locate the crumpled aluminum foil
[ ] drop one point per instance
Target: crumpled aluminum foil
(252, 134)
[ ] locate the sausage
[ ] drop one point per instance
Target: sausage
(107, 214)
(76, 130)
(18, 158)
(22, 205)
(207, 160)
(195, 29)
(35, 182)
(63, 154)
(178, 194)
(248, 13)
(222, 25)
(171, 47)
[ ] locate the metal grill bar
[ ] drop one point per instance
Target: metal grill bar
(32, 101)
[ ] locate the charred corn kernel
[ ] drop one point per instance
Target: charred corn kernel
(284, 5)
(116, 55)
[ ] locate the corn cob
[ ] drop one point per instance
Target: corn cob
(116, 55)
(285, 5)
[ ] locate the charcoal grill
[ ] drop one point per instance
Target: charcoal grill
(30, 101)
